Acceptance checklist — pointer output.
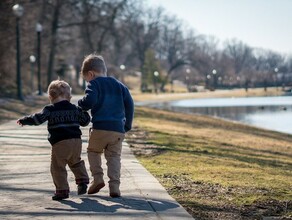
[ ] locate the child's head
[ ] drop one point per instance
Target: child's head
(59, 89)
(93, 65)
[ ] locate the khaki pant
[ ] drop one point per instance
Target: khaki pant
(109, 143)
(63, 153)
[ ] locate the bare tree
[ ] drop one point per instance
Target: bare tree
(241, 56)
(205, 57)
(56, 8)
(240, 53)
(120, 46)
(267, 63)
(171, 46)
(7, 22)
(123, 31)
(143, 30)
(97, 21)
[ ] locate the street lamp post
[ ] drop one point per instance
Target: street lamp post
(215, 78)
(39, 29)
(32, 60)
(18, 12)
(208, 77)
(188, 78)
(276, 77)
(122, 67)
(156, 74)
(220, 81)
(238, 81)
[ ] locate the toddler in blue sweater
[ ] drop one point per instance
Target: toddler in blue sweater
(112, 111)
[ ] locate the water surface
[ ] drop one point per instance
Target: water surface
(274, 113)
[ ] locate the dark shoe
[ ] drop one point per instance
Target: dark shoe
(115, 195)
(58, 197)
(114, 190)
(94, 188)
(82, 188)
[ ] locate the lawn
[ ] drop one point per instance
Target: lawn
(214, 168)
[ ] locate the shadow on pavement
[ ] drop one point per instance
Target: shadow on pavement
(87, 205)
(106, 204)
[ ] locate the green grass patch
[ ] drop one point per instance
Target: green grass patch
(207, 162)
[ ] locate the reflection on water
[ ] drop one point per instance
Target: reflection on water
(274, 113)
(241, 101)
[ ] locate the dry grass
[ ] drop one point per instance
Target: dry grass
(207, 162)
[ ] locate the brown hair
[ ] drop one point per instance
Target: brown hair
(59, 88)
(93, 62)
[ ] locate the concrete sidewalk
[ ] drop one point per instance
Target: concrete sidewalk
(26, 185)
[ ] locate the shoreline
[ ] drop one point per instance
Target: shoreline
(156, 103)
(162, 97)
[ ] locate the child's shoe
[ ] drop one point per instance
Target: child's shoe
(114, 190)
(82, 188)
(59, 197)
(94, 187)
(115, 195)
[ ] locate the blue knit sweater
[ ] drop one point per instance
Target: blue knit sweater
(111, 104)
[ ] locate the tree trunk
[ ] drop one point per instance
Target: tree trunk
(53, 42)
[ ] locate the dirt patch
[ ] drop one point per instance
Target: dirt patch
(137, 139)
(210, 201)
(213, 201)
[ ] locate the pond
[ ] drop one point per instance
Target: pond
(274, 113)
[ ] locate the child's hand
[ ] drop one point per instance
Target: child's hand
(18, 122)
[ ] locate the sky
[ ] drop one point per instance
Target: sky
(258, 23)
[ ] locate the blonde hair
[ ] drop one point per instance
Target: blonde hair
(59, 88)
(93, 62)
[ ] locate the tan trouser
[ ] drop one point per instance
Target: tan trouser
(63, 153)
(110, 143)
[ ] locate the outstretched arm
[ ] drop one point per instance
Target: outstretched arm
(35, 119)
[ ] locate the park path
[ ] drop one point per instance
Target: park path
(26, 186)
